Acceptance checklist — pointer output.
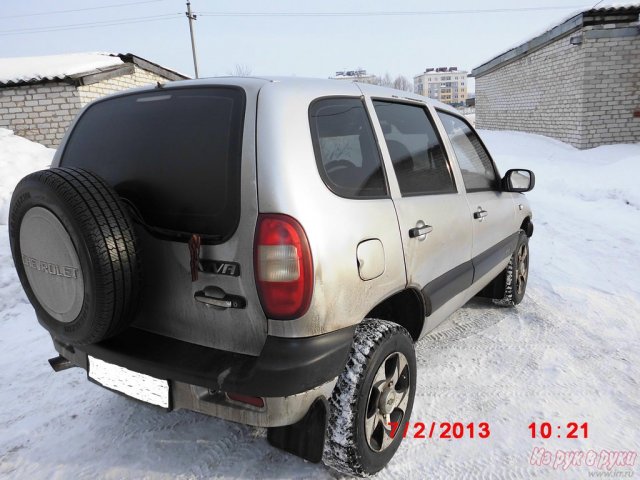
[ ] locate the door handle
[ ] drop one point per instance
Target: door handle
(420, 231)
(480, 214)
(228, 301)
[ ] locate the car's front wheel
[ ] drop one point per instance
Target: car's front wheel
(517, 274)
(374, 394)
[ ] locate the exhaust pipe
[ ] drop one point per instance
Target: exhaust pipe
(60, 363)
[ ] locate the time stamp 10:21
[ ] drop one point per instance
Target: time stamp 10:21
(570, 430)
(455, 430)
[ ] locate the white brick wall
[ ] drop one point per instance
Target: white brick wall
(42, 112)
(584, 94)
(140, 77)
(39, 112)
(611, 90)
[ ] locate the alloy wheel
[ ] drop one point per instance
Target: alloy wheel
(522, 268)
(387, 402)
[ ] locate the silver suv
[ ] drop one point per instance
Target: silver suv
(267, 251)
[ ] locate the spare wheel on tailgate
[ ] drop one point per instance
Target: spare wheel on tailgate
(76, 253)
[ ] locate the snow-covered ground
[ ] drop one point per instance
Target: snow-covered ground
(568, 353)
(471, 118)
(18, 157)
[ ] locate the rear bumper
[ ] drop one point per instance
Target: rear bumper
(290, 373)
(276, 412)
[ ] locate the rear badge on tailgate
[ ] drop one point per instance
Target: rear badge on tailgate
(231, 269)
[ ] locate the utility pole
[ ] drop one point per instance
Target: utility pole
(191, 18)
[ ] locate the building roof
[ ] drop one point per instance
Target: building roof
(76, 68)
(594, 16)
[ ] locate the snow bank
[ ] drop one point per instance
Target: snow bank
(51, 67)
(471, 118)
(18, 157)
(609, 172)
(586, 208)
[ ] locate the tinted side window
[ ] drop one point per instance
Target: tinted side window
(345, 148)
(418, 157)
(477, 169)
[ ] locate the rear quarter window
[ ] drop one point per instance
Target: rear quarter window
(175, 154)
(346, 152)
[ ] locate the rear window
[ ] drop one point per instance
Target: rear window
(174, 154)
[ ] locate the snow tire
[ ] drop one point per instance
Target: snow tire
(346, 447)
(513, 295)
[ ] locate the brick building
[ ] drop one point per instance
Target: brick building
(40, 96)
(578, 82)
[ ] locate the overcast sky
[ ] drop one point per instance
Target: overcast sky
(312, 45)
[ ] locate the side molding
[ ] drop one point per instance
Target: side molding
(442, 289)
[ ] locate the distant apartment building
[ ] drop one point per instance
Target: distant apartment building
(446, 84)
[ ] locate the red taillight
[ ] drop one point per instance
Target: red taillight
(254, 401)
(283, 267)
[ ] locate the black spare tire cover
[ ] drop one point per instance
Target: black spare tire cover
(76, 254)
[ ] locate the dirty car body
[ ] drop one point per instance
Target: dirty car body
(375, 188)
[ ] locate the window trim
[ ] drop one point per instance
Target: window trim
(318, 158)
(425, 107)
(497, 181)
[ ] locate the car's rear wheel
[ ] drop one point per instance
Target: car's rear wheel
(374, 393)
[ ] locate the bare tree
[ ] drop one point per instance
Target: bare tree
(402, 83)
(241, 70)
(384, 81)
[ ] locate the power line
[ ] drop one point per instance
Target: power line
(55, 12)
(383, 13)
(76, 26)
(154, 18)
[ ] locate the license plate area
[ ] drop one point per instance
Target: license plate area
(142, 387)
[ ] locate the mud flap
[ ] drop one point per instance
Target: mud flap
(306, 438)
(495, 289)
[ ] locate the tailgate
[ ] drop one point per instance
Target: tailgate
(183, 159)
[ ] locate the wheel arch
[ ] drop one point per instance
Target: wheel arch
(527, 226)
(407, 308)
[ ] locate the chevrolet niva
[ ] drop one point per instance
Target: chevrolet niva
(267, 251)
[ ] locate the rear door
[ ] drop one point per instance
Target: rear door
(432, 211)
(491, 210)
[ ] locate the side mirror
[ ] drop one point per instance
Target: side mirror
(518, 180)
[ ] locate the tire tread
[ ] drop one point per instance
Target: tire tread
(110, 239)
(340, 450)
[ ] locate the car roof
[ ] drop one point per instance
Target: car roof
(294, 84)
